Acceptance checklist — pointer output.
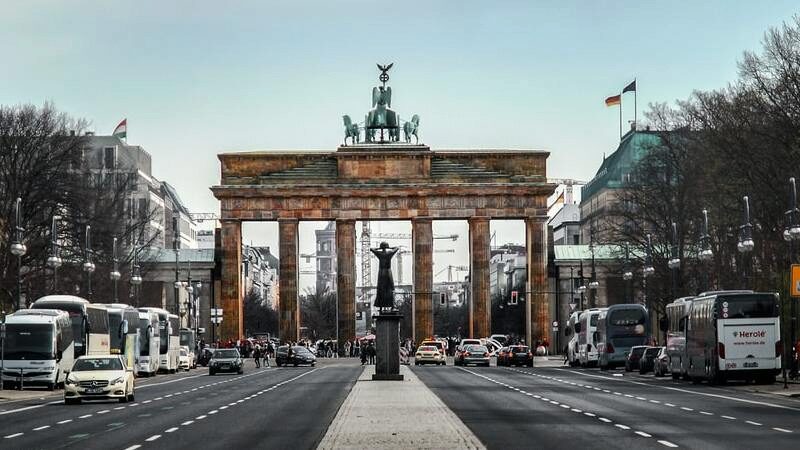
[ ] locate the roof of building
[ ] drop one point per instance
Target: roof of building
(633, 146)
(579, 252)
(164, 255)
(176, 200)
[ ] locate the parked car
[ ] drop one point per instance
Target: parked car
(300, 355)
(226, 360)
(441, 345)
(473, 354)
(647, 362)
(184, 360)
(515, 355)
(428, 354)
(500, 338)
(99, 377)
(634, 357)
(661, 365)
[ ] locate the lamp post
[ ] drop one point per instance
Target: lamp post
(593, 283)
(190, 291)
(136, 278)
(115, 275)
(746, 244)
(627, 275)
(706, 254)
(19, 249)
(648, 270)
(196, 307)
(54, 260)
(88, 265)
(175, 246)
(791, 234)
(582, 288)
(674, 262)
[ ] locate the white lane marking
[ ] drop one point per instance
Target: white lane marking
(12, 411)
(752, 423)
(603, 419)
(564, 406)
(146, 402)
(728, 417)
(224, 407)
(103, 411)
(43, 427)
(617, 393)
(118, 408)
(669, 404)
(640, 398)
(158, 398)
(85, 416)
(12, 436)
(188, 422)
(686, 409)
(589, 414)
(687, 391)
(213, 412)
(643, 434)
(576, 410)
(170, 430)
(624, 427)
(655, 401)
(200, 417)
(134, 404)
(667, 443)
(133, 447)
(64, 421)
(782, 430)
(706, 413)
(153, 438)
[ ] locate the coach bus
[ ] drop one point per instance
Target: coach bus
(677, 317)
(123, 325)
(619, 328)
(89, 322)
(734, 335)
(149, 344)
(587, 337)
(38, 346)
(169, 340)
(571, 331)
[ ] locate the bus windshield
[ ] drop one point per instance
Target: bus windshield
(186, 339)
(76, 316)
(747, 307)
(29, 341)
(627, 322)
(114, 324)
(144, 337)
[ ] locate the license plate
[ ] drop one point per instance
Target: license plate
(522, 355)
(93, 390)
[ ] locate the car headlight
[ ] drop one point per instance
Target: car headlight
(70, 381)
(117, 380)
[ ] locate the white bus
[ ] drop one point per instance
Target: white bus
(38, 345)
(677, 317)
(571, 331)
(587, 337)
(147, 364)
(619, 328)
(89, 322)
(169, 339)
(734, 335)
(123, 325)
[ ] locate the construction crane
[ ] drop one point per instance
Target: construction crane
(200, 217)
(400, 254)
(450, 270)
(568, 183)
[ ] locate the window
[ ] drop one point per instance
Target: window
(109, 158)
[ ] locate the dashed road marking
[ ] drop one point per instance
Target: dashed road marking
(667, 443)
(782, 430)
(170, 430)
(187, 423)
(643, 434)
(64, 421)
(728, 417)
(153, 438)
(752, 423)
(12, 436)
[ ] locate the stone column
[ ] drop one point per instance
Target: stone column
(231, 295)
(480, 252)
(422, 307)
(536, 299)
(289, 313)
(346, 280)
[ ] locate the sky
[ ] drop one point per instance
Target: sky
(198, 78)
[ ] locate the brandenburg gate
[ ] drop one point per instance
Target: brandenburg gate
(384, 180)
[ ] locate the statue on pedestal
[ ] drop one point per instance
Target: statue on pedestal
(385, 291)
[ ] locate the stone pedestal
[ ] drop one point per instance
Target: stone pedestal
(387, 346)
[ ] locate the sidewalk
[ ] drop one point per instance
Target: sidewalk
(396, 415)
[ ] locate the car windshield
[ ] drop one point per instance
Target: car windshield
(428, 348)
(228, 353)
(653, 351)
(88, 364)
(520, 349)
(184, 352)
(300, 349)
(637, 351)
(477, 348)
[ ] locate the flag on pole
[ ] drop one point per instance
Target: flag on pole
(122, 129)
(630, 87)
(614, 100)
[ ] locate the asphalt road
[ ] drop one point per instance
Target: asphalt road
(509, 408)
(264, 408)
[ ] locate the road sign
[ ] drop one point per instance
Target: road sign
(216, 312)
(795, 285)
(572, 306)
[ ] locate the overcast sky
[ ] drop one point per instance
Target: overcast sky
(196, 78)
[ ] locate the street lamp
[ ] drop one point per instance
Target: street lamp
(136, 278)
(54, 260)
(115, 275)
(19, 249)
(627, 275)
(593, 284)
(674, 262)
(791, 234)
(746, 244)
(88, 265)
(705, 254)
(176, 248)
(648, 270)
(582, 288)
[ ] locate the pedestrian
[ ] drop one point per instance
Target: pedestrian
(357, 346)
(257, 356)
(363, 354)
(372, 353)
(266, 355)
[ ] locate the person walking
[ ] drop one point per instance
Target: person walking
(266, 355)
(257, 356)
(372, 353)
(363, 354)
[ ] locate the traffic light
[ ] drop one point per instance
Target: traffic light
(442, 299)
(514, 295)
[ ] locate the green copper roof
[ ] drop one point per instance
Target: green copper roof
(616, 166)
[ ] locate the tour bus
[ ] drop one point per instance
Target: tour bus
(587, 337)
(123, 325)
(572, 331)
(39, 343)
(189, 340)
(677, 315)
(89, 322)
(734, 335)
(147, 364)
(619, 328)
(169, 341)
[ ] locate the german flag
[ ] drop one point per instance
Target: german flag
(614, 100)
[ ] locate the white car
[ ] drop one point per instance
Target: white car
(99, 377)
(184, 360)
(428, 354)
